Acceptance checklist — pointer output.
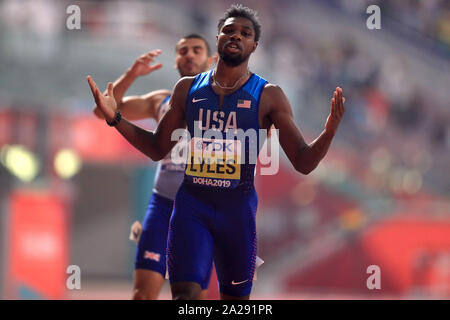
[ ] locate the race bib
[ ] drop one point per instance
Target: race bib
(214, 163)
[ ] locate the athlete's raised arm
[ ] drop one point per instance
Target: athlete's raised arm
(142, 106)
(153, 144)
(304, 157)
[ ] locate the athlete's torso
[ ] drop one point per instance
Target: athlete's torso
(217, 134)
(169, 175)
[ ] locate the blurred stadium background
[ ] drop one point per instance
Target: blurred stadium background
(70, 187)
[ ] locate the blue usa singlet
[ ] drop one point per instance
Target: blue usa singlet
(223, 150)
(215, 207)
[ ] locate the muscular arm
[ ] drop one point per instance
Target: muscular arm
(153, 144)
(142, 106)
(134, 107)
(304, 157)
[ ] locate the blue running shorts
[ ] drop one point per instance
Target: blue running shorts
(220, 226)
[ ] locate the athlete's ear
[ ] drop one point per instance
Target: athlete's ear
(255, 45)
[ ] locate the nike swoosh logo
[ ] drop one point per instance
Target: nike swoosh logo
(198, 100)
(234, 283)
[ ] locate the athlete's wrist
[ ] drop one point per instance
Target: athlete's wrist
(131, 74)
(115, 121)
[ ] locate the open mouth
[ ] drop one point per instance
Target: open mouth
(233, 47)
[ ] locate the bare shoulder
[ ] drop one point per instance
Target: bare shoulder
(180, 92)
(271, 88)
(184, 84)
(273, 98)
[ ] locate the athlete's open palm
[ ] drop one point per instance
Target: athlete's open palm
(106, 103)
(143, 66)
(336, 112)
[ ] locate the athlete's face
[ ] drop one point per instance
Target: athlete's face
(192, 57)
(236, 41)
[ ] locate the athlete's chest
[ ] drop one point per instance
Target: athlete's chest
(237, 111)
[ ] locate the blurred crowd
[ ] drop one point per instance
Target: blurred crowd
(388, 112)
(429, 19)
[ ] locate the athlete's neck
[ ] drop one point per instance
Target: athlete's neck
(227, 75)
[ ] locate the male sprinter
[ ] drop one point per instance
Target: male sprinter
(214, 217)
(193, 55)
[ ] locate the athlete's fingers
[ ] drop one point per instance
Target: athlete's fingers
(110, 89)
(94, 90)
(156, 66)
(339, 101)
(154, 53)
(334, 102)
(151, 55)
(339, 111)
(145, 59)
(101, 101)
(148, 57)
(98, 99)
(97, 96)
(92, 84)
(341, 107)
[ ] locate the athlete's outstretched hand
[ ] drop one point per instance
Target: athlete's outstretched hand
(142, 66)
(336, 112)
(106, 103)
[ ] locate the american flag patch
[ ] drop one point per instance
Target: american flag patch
(151, 256)
(244, 104)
